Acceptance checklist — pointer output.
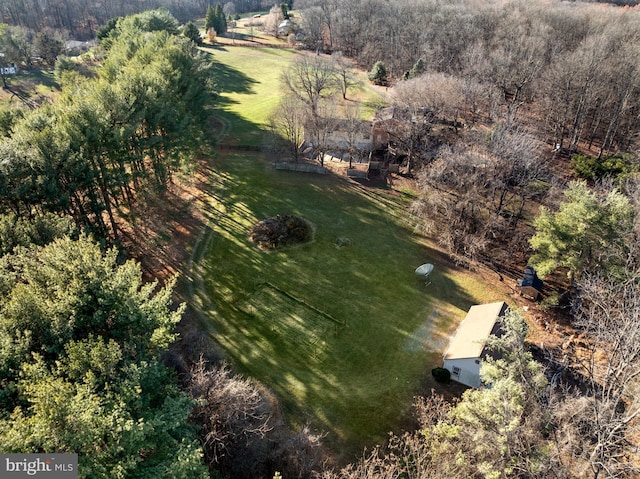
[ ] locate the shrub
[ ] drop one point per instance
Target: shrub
(441, 375)
(593, 168)
(211, 35)
(343, 241)
(281, 230)
(549, 302)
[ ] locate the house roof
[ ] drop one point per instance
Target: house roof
(474, 330)
(340, 124)
(386, 113)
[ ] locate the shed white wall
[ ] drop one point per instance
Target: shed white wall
(469, 373)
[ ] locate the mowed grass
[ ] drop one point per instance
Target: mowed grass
(249, 80)
(356, 381)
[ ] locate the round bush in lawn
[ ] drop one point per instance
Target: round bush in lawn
(280, 231)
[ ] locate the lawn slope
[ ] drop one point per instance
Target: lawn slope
(339, 328)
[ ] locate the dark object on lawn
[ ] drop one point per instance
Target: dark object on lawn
(342, 241)
(280, 231)
(441, 375)
(530, 285)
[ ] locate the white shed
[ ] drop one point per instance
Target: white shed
(464, 355)
(286, 27)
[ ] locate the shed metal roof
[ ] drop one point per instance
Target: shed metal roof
(474, 330)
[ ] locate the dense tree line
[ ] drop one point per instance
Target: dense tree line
(84, 368)
(107, 140)
(83, 18)
(577, 62)
(485, 95)
(82, 336)
(80, 364)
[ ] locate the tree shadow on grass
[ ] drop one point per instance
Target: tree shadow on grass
(230, 129)
(350, 387)
(40, 77)
(227, 79)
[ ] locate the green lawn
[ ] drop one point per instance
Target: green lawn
(29, 85)
(345, 336)
(249, 79)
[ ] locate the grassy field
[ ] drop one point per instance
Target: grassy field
(28, 88)
(344, 335)
(249, 80)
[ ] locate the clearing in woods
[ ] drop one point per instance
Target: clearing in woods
(341, 330)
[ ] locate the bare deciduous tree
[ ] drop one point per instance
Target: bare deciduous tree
(410, 134)
(475, 191)
(353, 129)
(320, 129)
(344, 79)
(273, 19)
(229, 9)
(516, 167)
(231, 412)
(310, 80)
(452, 204)
(288, 121)
(519, 50)
(600, 428)
(573, 82)
(313, 28)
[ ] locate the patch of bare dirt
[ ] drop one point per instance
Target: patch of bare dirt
(163, 227)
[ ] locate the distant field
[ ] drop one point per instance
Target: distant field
(249, 79)
(29, 88)
(354, 381)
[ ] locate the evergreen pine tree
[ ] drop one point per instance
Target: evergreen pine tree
(417, 69)
(192, 33)
(220, 24)
(285, 10)
(210, 19)
(378, 74)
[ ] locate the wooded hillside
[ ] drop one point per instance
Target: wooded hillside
(576, 63)
(81, 19)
